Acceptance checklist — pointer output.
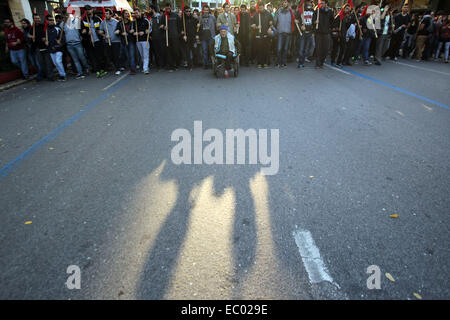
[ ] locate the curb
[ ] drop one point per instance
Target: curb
(16, 83)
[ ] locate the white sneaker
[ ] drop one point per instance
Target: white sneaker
(117, 73)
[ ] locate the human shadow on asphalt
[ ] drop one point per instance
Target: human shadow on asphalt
(155, 281)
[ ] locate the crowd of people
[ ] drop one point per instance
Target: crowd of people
(259, 34)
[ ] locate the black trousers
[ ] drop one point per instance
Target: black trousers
(187, 49)
(349, 50)
(262, 50)
(96, 55)
(158, 48)
(113, 54)
(46, 63)
(396, 41)
(173, 52)
(229, 59)
(252, 48)
(337, 50)
(322, 44)
(245, 50)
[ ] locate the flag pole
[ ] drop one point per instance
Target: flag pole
(137, 37)
(34, 26)
(318, 15)
(89, 21)
(359, 26)
(148, 34)
(125, 30)
(167, 31)
(184, 26)
(107, 30)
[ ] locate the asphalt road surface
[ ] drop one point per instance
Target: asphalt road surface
(87, 179)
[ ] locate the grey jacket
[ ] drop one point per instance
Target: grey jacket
(283, 21)
(112, 26)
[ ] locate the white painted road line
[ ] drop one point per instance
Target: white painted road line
(314, 265)
(337, 69)
(116, 81)
(420, 68)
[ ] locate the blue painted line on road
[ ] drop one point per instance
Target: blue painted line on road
(52, 135)
(398, 89)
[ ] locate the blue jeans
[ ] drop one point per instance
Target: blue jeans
(304, 45)
(365, 48)
(19, 58)
(79, 59)
(32, 56)
(205, 46)
(283, 45)
(57, 61)
(131, 55)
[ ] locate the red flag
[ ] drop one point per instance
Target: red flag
(45, 19)
(228, 1)
(364, 11)
(292, 21)
(182, 5)
(103, 13)
(350, 3)
(341, 13)
(301, 6)
(167, 15)
(320, 4)
(257, 7)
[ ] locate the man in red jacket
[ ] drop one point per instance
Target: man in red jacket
(15, 45)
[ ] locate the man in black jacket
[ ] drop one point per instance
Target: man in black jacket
(93, 43)
(157, 47)
(45, 65)
(261, 23)
(323, 19)
(243, 35)
(188, 38)
(55, 46)
(173, 30)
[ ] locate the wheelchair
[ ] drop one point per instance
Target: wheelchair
(218, 65)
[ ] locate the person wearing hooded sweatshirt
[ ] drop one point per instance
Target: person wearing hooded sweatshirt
(283, 24)
(207, 31)
(323, 18)
(111, 39)
(15, 45)
(73, 41)
(54, 44)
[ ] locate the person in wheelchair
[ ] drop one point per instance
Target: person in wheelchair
(225, 49)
